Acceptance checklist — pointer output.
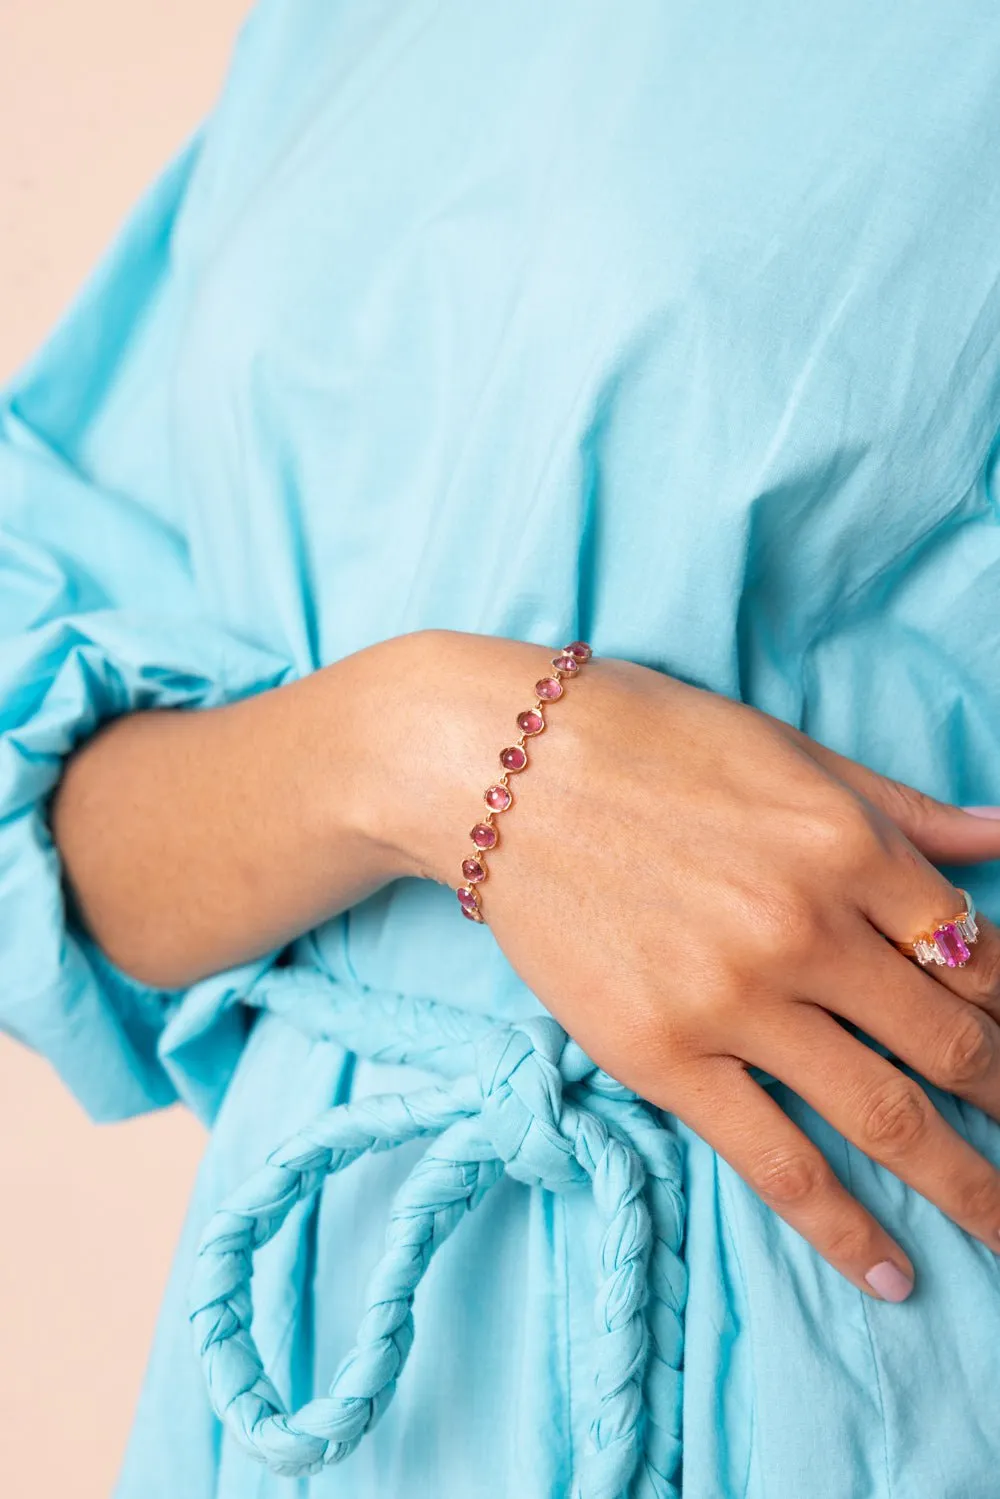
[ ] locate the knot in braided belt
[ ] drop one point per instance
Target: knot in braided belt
(520, 1098)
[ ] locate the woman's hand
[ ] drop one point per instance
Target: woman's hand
(692, 888)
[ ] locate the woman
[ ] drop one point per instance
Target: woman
(459, 335)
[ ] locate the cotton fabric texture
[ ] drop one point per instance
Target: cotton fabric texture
(671, 327)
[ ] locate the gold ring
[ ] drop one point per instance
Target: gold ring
(950, 943)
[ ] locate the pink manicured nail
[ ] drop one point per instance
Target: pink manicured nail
(984, 812)
(889, 1282)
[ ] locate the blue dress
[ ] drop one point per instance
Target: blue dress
(674, 327)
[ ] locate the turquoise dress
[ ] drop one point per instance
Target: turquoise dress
(672, 326)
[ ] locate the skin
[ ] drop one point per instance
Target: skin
(192, 841)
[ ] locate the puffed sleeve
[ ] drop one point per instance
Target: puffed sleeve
(100, 616)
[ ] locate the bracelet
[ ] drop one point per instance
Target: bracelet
(513, 759)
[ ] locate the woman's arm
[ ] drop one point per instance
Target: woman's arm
(690, 886)
(196, 840)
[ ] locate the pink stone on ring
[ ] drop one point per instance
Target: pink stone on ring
(950, 943)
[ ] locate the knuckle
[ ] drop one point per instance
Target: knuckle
(905, 805)
(896, 1118)
(984, 970)
(788, 1177)
(841, 833)
(969, 1053)
(978, 1201)
(850, 1243)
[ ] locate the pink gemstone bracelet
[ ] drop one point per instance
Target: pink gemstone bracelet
(498, 797)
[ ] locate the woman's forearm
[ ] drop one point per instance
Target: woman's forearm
(194, 840)
(690, 887)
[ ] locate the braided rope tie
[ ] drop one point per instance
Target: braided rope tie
(524, 1099)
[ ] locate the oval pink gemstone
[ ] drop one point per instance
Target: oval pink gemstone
(483, 836)
(472, 915)
(467, 898)
(565, 663)
(580, 650)
(549, 689)
(513, 758)
(951, 944)
(498, 797)
(530, 722)
(473, 871)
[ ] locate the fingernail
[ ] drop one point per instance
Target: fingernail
(889, 1282)
(993, 812)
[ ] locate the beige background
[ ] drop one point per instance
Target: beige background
(94, 97)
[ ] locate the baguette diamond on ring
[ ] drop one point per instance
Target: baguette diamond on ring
(949, 944)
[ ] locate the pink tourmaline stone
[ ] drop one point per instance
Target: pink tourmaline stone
(467, 898)
(579, 649)
(565, 663)
(549, 689)
(530, 722)
(473, 871)
(951, 944)
(513, 758)
(498, 797)
(472, 915)
(483, 836)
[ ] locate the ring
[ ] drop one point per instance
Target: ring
(950, 943)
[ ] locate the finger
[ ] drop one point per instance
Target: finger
(978, 981)
(946, 834)
(739, 1120)
(953, 1044)
(904, 896)
(885, 1113)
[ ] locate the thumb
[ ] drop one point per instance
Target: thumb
(944, 833)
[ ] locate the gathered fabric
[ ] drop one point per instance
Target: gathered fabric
(521, 1098)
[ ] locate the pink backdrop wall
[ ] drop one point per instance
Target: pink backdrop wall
(94, 96)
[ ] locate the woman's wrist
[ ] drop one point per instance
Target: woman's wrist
(428, 747)
(192, 841)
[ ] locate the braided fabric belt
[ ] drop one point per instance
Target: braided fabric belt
(518, 1098)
